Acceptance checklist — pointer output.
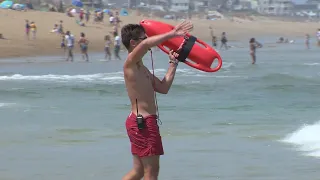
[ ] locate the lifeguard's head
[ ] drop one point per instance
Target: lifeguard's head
(132, 35)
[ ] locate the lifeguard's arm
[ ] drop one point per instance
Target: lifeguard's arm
(163, 86)
(138, 52)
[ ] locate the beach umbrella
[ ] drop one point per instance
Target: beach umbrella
(6, 4)
(77, 3)
(106, 11)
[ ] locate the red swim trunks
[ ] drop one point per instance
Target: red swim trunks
(146, 141)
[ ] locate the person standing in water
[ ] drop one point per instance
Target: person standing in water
(117, 45)
(224, 40)
(213, 37)
(107, 47)
(83, 42)
(70, 44)
(141, 124)
(308, 41)
(253, 45)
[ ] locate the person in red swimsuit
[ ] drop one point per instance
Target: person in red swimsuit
(141, 124)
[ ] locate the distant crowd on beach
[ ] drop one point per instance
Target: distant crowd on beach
(67, 41)
(112, 39)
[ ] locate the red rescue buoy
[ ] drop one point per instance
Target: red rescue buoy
(200, 54)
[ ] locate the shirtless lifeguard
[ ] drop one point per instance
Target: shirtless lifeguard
(141, 124)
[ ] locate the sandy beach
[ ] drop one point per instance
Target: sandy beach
(16, 44)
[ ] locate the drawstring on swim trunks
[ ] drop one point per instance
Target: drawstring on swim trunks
(155, 93)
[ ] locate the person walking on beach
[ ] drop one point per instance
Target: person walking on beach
(27, 29)
(60, 28)
(117, 45)
(63, 43)
(70, 44)
(83, 42)
(107, 47)
(253, 45)
(141, 84)
(33, 29)
(224, 41)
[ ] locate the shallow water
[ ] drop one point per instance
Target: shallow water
(64, 120)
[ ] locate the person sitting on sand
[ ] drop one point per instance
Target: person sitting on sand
(83, 42)
(55, 29)
(253, 45)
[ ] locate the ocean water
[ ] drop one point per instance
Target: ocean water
(64, 121)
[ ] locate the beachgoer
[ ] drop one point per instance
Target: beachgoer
(60, 29)
(117, 45)
(63, 44)
(27, 29)
(33, 29)
(308, 41)
(253, 45)
(70, 44)
(107, 47)
(213, 37)
(111, 19)
(83, 42)
(87, 15)
(141, 84)
(81, 15)
(224, 40)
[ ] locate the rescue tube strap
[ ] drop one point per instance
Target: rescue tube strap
(185, 48)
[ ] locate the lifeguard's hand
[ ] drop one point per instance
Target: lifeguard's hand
(173, 57)
(183, 28)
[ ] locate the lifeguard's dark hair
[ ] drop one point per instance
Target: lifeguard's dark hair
(131, 32)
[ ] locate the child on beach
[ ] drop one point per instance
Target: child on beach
(83, 42)
(107, 47)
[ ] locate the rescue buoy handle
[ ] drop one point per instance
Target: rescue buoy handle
(205, 68)
(185, 48)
